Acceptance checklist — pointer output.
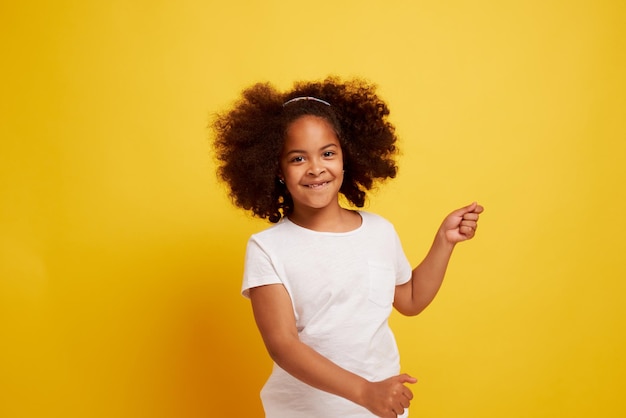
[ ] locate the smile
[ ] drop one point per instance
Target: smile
(317, 185)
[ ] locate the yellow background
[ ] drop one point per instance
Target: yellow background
(121, 256)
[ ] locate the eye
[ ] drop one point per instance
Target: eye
(329, 154)
(297, 159)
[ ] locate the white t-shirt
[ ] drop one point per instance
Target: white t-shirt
(341, 287)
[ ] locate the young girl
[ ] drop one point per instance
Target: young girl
(322, 281)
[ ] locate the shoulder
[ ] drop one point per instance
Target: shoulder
(374, 220)
(378, 226)
(273, 229)
(272, 234)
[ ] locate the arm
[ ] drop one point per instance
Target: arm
(276, 322)
(414, 296)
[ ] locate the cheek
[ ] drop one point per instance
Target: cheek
(339, 169)
(290, 175)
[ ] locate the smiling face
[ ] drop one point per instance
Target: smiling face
(311, 166)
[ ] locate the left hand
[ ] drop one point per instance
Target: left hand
(461, 224)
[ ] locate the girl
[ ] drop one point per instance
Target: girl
(323, 280)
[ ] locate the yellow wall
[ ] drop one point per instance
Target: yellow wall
(121, 257)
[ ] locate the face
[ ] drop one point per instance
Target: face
(312, 164)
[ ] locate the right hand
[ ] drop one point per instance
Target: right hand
(388, 398)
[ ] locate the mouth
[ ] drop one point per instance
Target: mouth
(317, 185)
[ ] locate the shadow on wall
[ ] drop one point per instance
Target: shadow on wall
(216, 362)
(177, 342)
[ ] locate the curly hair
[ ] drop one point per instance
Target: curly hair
(249, 138)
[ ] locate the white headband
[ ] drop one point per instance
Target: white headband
(297, 99)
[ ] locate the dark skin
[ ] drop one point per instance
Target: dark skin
(312, 169)
(249, 136)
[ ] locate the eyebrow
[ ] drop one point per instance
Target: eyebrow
(299, 151)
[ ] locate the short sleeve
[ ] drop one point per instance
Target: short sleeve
(259, 269)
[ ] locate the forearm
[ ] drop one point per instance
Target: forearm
(310, 367)
(428, 276)
(413, 297)
(275, 319)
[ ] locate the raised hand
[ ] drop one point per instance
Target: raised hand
(461, 224)
(388, 398)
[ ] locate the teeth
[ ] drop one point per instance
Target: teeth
(315, 186)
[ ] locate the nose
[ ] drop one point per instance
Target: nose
(316, 168)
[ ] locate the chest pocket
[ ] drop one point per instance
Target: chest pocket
(382, 283)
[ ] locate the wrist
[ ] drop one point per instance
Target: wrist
(442, 242)
(360, 395)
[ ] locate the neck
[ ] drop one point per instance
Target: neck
(333, 219)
